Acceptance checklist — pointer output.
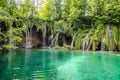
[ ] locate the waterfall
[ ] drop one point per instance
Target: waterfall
(72, 43)
(10, 37)
(29, 38)
(54, 42)
(110, 37)
(44, 38)
(50, 39)
(89, 46)
(86, 40)
(11, 43)
(83, 45)
(86, 44)
(103, 44)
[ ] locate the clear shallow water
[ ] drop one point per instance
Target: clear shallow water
(58, 65)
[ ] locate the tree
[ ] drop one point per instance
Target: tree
(46, 12)
(4, 4)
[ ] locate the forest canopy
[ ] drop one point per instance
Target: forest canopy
(91, 24)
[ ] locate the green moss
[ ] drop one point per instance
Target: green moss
(61, 48)
(9, 46)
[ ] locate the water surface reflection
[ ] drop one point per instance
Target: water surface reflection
(58, 65)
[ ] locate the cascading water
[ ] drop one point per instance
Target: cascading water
(55, 41)
(28, 38)
(44, 38)
(86, 42)
(50, 39)
(103, 44)
(11, 43)
(110, 37)
(83, 46)
(89, 46)
(72, 43)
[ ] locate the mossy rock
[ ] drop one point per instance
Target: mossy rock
(9, 46)
(60, 48)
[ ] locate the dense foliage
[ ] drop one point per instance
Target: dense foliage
(94, 24)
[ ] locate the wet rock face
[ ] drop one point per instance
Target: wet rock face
(68, 39)
(36, 38)
(61, 39)
(48, 34)
(64, 39)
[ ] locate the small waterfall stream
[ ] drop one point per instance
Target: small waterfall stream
(83, 45)
(44, 38)
(28, 38)
(54, 42)
(110, 38)
(10, 37)
(103, 44)
(86, 42)
(51, 38)
(72, 43)
(11, 42)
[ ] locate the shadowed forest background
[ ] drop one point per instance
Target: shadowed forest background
(67, 24)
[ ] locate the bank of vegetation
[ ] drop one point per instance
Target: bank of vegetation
(73, 24)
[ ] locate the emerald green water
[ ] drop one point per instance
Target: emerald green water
(58, 65)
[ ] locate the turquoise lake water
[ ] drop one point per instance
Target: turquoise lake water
(58, 65)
